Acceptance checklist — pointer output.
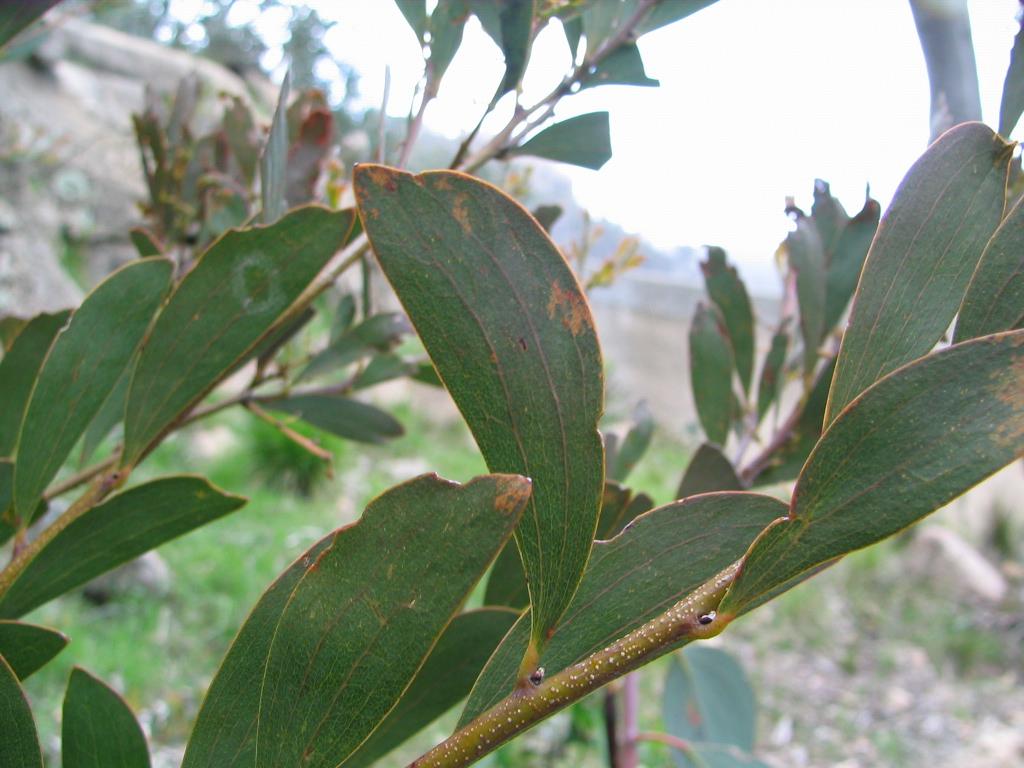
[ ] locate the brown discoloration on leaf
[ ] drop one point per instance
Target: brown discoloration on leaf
(570, 306)
(441, 183)
(1010, 383)
(380, 177)
(511, 493)
(461, 213)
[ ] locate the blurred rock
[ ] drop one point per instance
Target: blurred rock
(148, 574)
(946, 557)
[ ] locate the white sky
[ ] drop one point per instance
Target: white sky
(757, 99)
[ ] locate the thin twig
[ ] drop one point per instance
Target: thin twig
(630, 729)
(665, 738)
(79, 478)
(301, 440)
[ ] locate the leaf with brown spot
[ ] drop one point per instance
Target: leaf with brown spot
(508, 330)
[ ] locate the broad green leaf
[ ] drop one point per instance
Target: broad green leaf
(145, 242)
(78, 373)
(807, 258)
(584, 140)
(9, 523)
(379, 332)
(709, 699)
(1012, 104)
(118, 530)
(14, 17)
(911, 443)
(708, 471)
(656, 561)
(624, 66)
(11, 326)
(110, 414)
(415, 13)
(358, 626)
(442, 682)
(342, 416)
(927, 246)
(447, 22)
(614, 501)
(783, 463)
(995, 296)
(846, 259)
(670, 11)
(18, 371)
(274, 161)
(220, 311)
(225, 729)
(711, 365)
(20, 742)
(98, 730)
(506, 584)
(510, 25)
(768, 387)
(634, 445)
(702, 755)
(27, 647)
(729, 294)
(510, 332)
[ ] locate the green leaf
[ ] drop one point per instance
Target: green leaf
(506, 584)
(614, 501)
(656, 561)
(98, 730)
(846, 260)
(14, 17)
(784, 463)
(18, 370)
(709, 699)
(995, 297)
(1012, 104)
(415, 13)
(383, 367)
(635, 444)
(11, 326)
(911, 443)
(357, 626)
(510, 332)
(9, 524)
(927, 246)
(768, 386)
(28, 647)
(510, 24)
(807, 258)
(711, 365)
(146, 243)
(274, 161)
(714, 756)
(547, 215)
(344, 315)
(624, 66)
(20, 742)
(118, 530)
(220, 311)
(584, 140)
(708, 471)
(727, 290)
(380, 332)
(78, 374)
(110, 414)
(443, 681)
(573, 29)
(447, 23)
(341, 416)
(670, 11)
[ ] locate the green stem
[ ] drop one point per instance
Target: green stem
(692, 618)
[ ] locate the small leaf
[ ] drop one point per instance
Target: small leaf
(927, 246)
(828, 214)
(613, 507)
(98, 730)
(415, 13)
(768, 387)
(18, 370)
(341, 416)
(118, 530)
(357, 626)
(846, 260)
(443, 681)
(79, 374)
(242, 137)
(222, 309)
(307, 153)
(344, 315)
(708, 471)
(20, 742)
(28, 647)
(711, 365)
(146, 243)
(623, 67)
(274, 161)
(634, 445)
(729, 294)
(382, 367)
(709, 699)
(995, 296)
(573, 29)
(380, 332)
(656, 561)
(807, 259)
(891, 458)
(584, 140)
(510, 332)
(510, 25)
(1012, 104)
(547, 215)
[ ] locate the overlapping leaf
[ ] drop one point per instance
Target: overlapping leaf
(221, 311)
(27, 647)
(20, 742)
(510, 333)
(769, 385)
(807, 258)
(342, 416)
(78, 374)
(656, 561)
(729, 294)
(908, 445)
(709, 470)
(98, 730)
(1012, 104)
(116, 531)
(711, 366)
(274, 160)
(846, 259)
(927, 246)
